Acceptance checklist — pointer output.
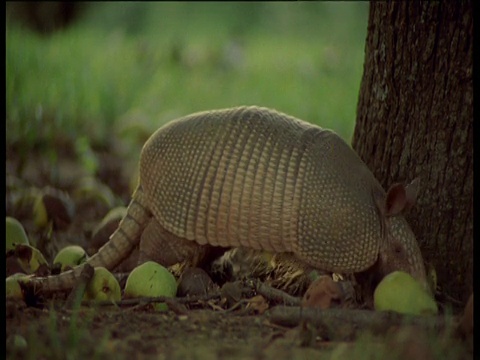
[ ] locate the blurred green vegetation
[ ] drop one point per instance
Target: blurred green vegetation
(148, 63)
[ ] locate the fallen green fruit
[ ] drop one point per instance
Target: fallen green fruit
(400, 292)
(91, 189)
(15, 234)
(70, 256)
(29, 258)
(53, 206)
(101, 233)
(17, 343)
(115, 214)
(150, 280)
(12, 287)
(40, 215)
(103, 287)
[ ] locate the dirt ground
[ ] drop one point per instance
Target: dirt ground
(143, 334)
(196, 330)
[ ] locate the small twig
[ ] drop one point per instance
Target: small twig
(236, 305)
(149, 300)
(276, 295)
(214, 306)
(176, 307)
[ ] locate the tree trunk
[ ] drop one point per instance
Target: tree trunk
(415, 119)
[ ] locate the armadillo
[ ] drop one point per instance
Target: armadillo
(254, 177)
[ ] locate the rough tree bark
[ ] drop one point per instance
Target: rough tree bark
(415, 119)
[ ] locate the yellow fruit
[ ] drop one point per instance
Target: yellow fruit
(400, 292)
(150, 280)
(103, 287)
(70, 256)
(15, 234)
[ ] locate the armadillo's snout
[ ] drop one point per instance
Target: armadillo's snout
(404, 256)
(400, 251)
(418, 272)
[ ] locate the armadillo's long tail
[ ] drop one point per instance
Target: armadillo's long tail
(121, 243)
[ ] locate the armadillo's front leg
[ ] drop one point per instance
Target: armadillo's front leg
(163, 247)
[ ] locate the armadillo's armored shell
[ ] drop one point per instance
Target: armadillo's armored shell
(339, 225)
(257, 178)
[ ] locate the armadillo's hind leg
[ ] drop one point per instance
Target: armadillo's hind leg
(159, 245)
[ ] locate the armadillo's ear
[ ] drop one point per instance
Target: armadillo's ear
(396, 200)
(401, 198)
(412, 192)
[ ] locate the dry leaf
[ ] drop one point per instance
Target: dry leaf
(258, 304)
(323, 293)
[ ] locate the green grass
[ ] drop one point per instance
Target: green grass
(152, 62)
